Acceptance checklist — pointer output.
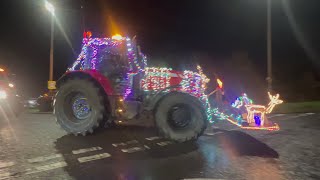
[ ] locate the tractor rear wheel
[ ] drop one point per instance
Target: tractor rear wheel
(180, 117)
(79, 106)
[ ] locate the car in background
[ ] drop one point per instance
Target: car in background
(31, 103)
(10, 101)
(45, 101)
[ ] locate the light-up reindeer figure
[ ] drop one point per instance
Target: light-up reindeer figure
(253, 109)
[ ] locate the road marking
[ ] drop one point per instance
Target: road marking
(132, 150)
(44, 158)
(212, 134)
(147, 147)
(153, 138)
(125, 143)
(276, 115)
(310, 113)
(6, 164)
(47, 167)
(80, 151)
(164, 143)
(299, 115)
(94, 157)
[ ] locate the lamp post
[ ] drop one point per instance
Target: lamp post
(50, 8)
(269, 46)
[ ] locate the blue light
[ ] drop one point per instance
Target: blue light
(257, 120)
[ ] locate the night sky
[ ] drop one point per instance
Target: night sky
(171, 33)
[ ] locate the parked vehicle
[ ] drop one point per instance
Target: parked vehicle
(45, 101)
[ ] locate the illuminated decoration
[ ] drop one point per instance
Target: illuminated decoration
(11, 85)
(156, 78)
(274, 100)
(238, 120)
(1, 70)
(255, 115)
(220, 83)
(87, 58)
(87, 34)
(117, 37)
(204, 78)
(254, 110)
(241, 101)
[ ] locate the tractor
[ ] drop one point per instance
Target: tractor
(110, 81)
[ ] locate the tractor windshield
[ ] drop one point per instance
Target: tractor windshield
(104, 55)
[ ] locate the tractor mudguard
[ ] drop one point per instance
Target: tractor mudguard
(100, 79)
(155, 98)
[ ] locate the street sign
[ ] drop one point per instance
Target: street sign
(51, 85)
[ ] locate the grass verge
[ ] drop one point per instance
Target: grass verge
(300, 107)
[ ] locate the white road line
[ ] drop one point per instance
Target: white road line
(300, 115)
(276, 115)
(212, 134)
(47, 167)
(153, 138)
(6, 164)
(132, 150)
(94, 157)
(310, 113)
(44, 158)
(164, 143)
(80, 151)
(125, 143)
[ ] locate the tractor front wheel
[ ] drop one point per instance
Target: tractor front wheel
(79, 106)
(180, 117)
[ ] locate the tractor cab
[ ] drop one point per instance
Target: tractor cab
(118, 59)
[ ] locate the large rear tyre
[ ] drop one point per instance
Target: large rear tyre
(180, 117)
(79, 106)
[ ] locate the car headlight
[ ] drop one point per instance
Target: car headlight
(32, 102)
(3, 94)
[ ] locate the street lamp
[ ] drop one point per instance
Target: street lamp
(269, 46)
(50, 8)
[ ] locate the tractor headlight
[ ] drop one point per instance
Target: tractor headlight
(3, 94)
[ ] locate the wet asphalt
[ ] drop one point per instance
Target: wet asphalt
(33, 146)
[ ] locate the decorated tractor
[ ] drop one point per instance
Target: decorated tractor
(110, 81)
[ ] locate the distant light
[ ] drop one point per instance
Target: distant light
(117, 37)
(49, 7)
(33, 102)
(120, 110)
(11, 85)
(87, 34)
(3, 95)
(220, 83)
(1, 70)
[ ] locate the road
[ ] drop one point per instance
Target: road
(34, 147)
